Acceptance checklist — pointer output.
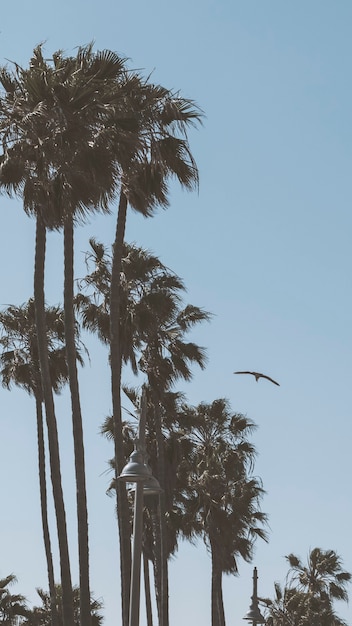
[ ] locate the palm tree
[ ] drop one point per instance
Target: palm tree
(42, 615)
(85, 170)
(308, 596)
(284, 609)
(221, 499)
(163, 120)
(323, 575)
(19, 363)
(13, 607)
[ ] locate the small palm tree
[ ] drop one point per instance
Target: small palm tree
(308, 596)
(13, 608)
(323, 575)
(282, 610)
(221, 497)
(42, 615)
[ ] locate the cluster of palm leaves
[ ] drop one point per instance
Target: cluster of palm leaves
(308, 596)
(12, 606)
(80, 134)
(14, 609)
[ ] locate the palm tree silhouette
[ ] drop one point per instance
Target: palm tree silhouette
(222, 498)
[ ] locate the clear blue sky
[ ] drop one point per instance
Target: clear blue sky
(265, 246)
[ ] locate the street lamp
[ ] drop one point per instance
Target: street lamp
(254, 615)
(138, 472)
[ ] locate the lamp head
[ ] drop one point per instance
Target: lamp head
(135, 469)
(151, 487)
(254, 615)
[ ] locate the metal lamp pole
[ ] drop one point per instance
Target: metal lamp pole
(254, 615)
(136, 556)
(138, 525)
(136, 471)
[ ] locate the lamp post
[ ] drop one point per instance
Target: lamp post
(254, 615)
(136, 471)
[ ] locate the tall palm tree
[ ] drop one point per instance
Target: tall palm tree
(145, 173)
(222, 498)
(13, 608)
(84, 171)
(19, 363)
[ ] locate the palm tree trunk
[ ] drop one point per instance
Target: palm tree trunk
(44, 510)
(215, 613)
(217, 604)
(77, 426)
(221, 602)
(55, 470)
(116, 366)
(164, 583)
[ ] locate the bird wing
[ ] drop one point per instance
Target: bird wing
(259, 375)
(271, 379)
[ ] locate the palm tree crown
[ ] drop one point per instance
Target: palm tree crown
(153, 321)
(42, 615)
(322, 576)
(310, 591)
(13, 608)
(19, 357)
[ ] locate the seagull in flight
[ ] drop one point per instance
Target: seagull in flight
(258, 375)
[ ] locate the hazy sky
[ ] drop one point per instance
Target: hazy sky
(264, 246)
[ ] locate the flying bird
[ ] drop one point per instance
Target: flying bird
(257, 375)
